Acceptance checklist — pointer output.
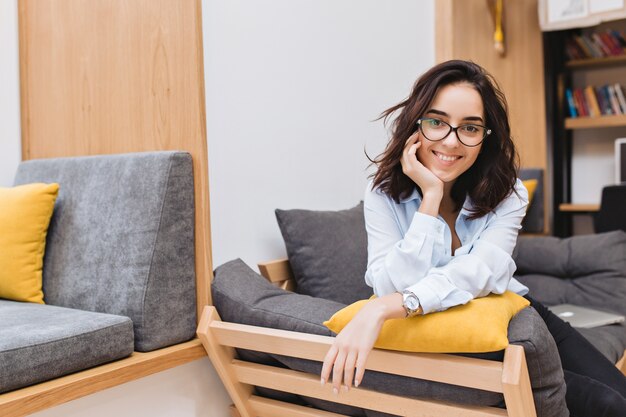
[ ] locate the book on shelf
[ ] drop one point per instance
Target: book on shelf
(604, 49)
(610, 92)
(620, 97)
(603, 101)
(598, 101)
(613, 44)
(571, 105)
(592, 102)
(619, 37)
(581, 105)
(595, 45)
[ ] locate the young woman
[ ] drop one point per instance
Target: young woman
(442, 215)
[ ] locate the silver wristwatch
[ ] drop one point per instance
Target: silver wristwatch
(411, 303)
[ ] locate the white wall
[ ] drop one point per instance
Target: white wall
(292, 87)
(10, 147)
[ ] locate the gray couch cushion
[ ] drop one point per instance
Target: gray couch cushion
(327, 252)
(610, 340)
(602, 255)
(586, 270)
(242, 296)
(121, 240)
(41, 342)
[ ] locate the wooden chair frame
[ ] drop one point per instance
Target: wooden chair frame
(219, 338)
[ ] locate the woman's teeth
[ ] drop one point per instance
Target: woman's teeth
(446, 157)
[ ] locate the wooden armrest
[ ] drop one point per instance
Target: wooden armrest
(279, 273)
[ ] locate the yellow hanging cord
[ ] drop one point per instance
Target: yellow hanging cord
(498, 35)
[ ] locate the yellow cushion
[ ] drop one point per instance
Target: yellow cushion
(531, 186)
(478, 326)
(25, 213)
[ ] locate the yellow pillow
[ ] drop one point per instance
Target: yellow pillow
(478, 326)
(25, 213)
(531, 186)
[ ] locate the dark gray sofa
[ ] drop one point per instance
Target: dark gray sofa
(327, 254)
(241, 295)
(119, 268)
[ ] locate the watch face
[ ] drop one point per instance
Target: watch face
(412, 302)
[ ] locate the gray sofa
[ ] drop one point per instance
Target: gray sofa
(119, 268)
(241, 295)
(327, 254)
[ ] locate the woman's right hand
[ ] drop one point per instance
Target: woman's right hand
(348, 354)
(346, 358)
(428, 182)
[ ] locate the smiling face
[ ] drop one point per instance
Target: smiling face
(448, 158)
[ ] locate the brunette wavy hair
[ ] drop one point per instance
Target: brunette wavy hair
(492, 176)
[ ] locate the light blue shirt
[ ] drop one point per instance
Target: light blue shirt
(410, 250)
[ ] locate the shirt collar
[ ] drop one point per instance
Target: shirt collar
(413, 196)
(465, 210)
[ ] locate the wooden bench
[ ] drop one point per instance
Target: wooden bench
(152, 104)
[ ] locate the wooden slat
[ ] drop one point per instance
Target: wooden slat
(595, 122)
(603, 62)
(276, 271)
(221, 357)
(266, 407)
(60, 390)
(451, 369)
(288, 285)
(580, 208)
(444, 38)
(117, 76)
(233, 411)
(516, 382)
(621, 364)
(306, 384)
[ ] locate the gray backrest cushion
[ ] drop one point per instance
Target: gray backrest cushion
(242, 296)
(576, 256)
(121, 240)
(534, 220)
(588, 270)
(327, 252)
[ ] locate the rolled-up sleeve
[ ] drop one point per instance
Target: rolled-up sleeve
(488, 266)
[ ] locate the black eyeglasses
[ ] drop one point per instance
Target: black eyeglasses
(469, 134)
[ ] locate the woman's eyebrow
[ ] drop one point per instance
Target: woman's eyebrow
(443, 113)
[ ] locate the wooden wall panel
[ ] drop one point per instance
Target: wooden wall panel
(114, 76)
(464, 30)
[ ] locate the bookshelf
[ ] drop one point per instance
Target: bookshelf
(596, 62)
(595, 122)
(564, 132)
(579, 208)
